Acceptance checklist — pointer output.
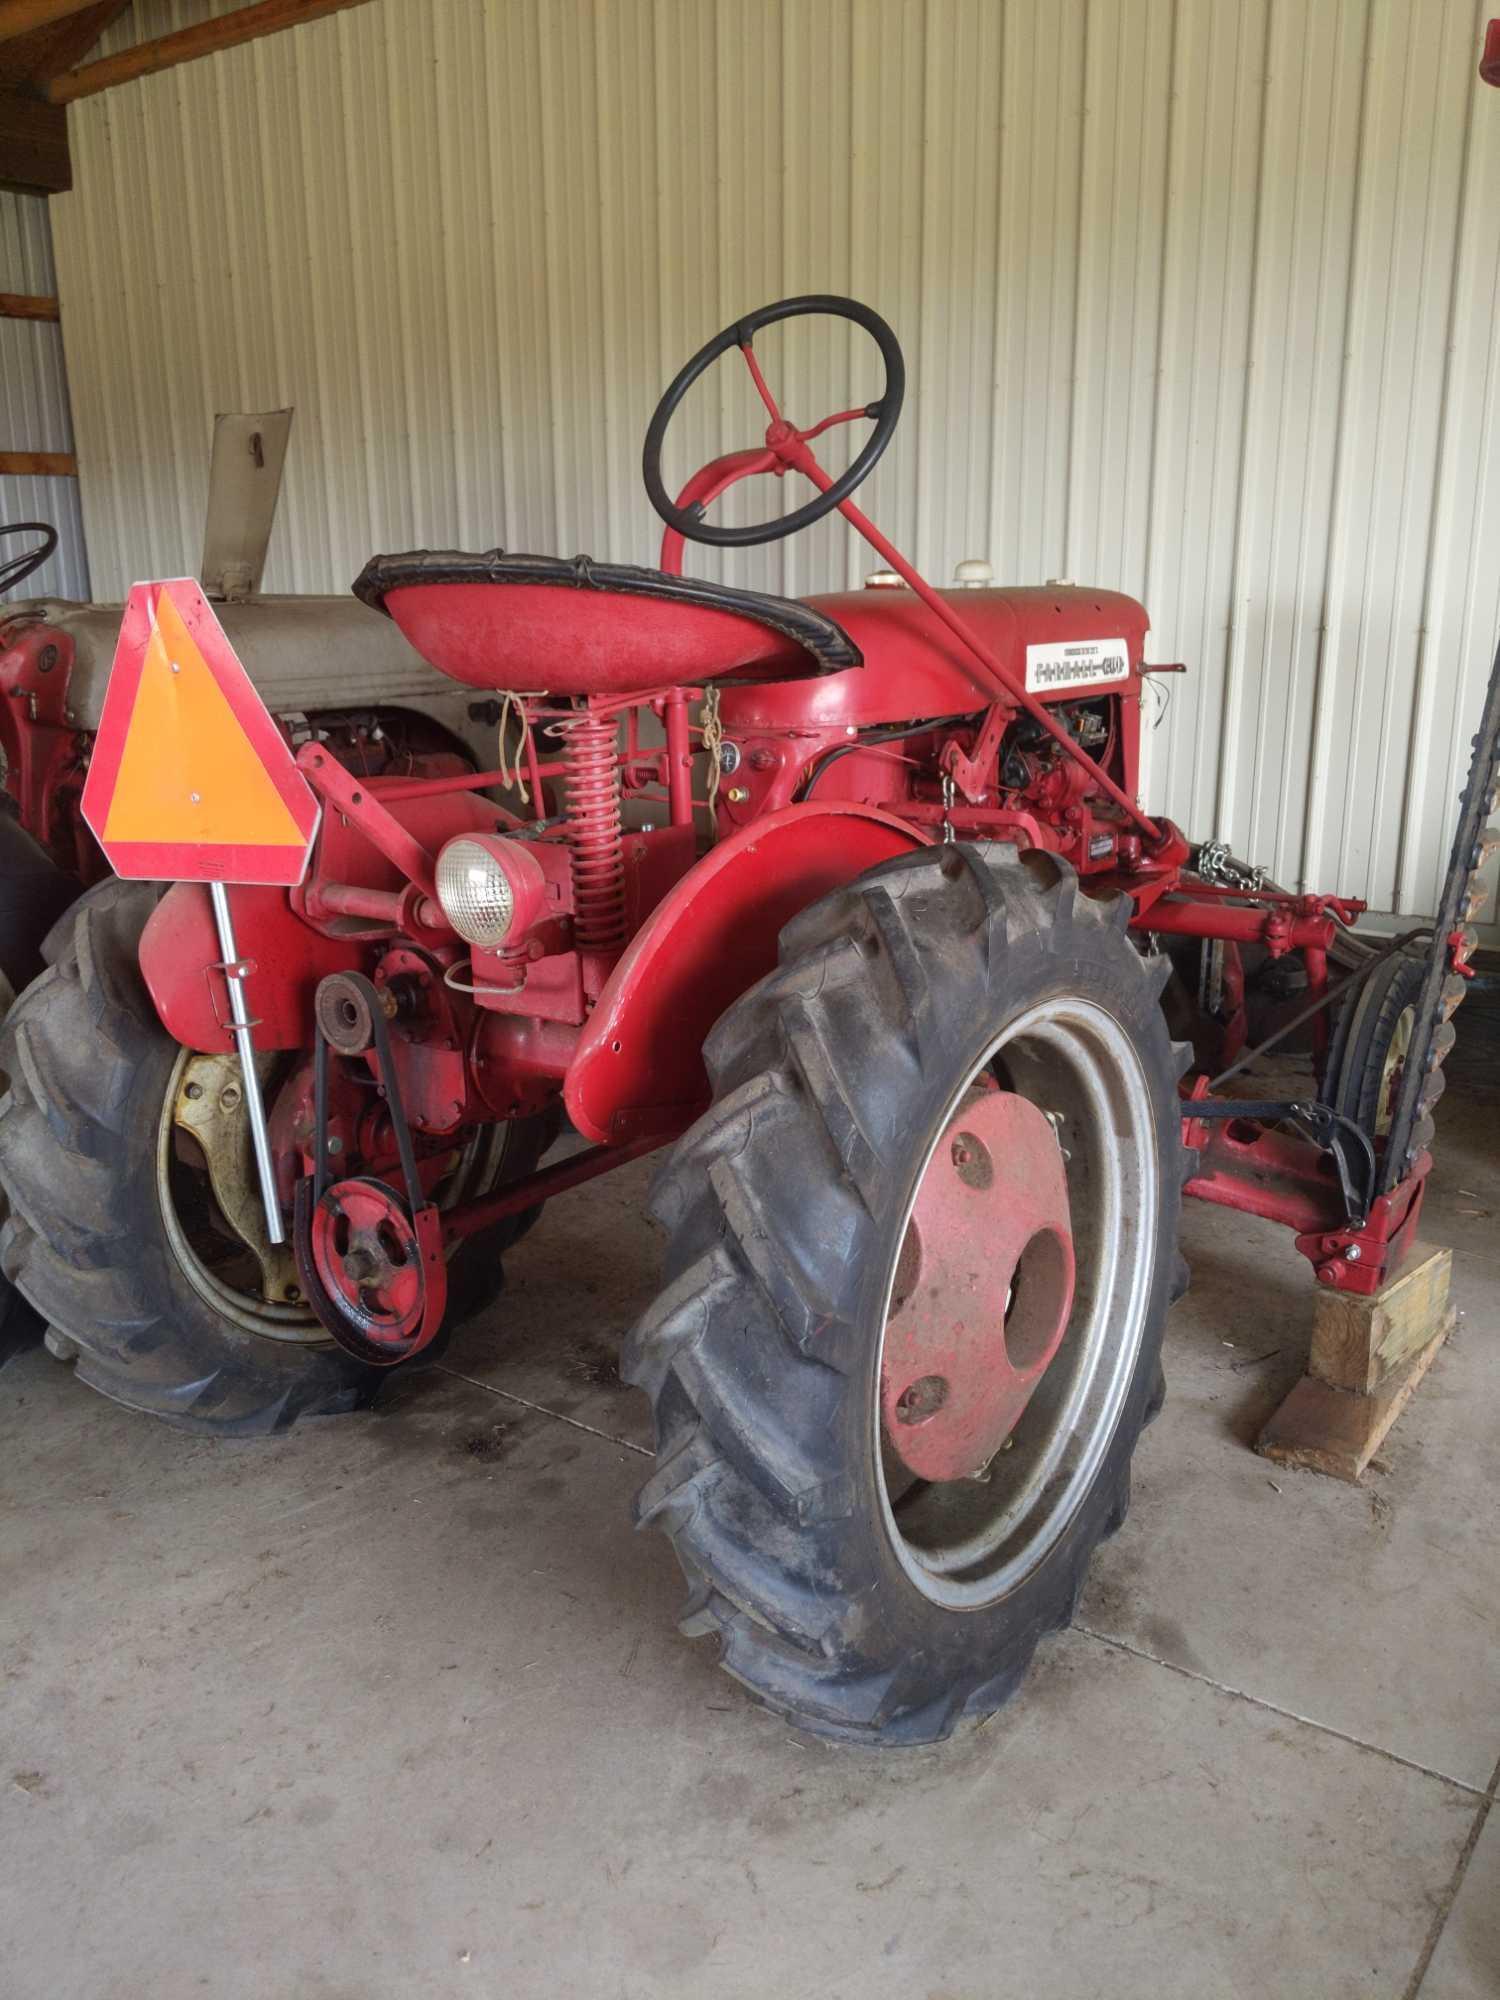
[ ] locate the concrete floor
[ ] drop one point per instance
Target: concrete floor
(394, 1706)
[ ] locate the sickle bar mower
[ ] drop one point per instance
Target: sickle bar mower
(849, 908)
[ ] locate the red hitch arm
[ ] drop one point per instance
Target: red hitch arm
(348, 795)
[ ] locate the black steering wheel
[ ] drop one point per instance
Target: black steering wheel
(885, 412)
(16, 569)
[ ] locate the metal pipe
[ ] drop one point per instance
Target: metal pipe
(239, 1014)
(351, 899)
(679, 758)
(546, 1182)
(1181, 917)
(462, 781)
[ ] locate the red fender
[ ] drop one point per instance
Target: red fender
(180, 946)
(638, 1066)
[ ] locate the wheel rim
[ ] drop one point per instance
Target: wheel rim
(1392, 1070)
(214, 1263)
(188, 1206)
(979, 1478)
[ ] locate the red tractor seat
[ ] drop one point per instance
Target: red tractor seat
(584, 627)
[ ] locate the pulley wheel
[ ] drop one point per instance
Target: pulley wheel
(371, 1271)
(345, 1011)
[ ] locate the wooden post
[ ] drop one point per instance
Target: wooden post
(1367, 1356)
(33, 144)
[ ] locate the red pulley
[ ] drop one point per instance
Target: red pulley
(373, 1271)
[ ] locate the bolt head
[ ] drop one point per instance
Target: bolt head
(921, 1399)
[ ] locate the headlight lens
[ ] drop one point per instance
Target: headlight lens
(475, 892)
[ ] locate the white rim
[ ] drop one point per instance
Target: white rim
(965, 1544)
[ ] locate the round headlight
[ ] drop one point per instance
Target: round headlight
(475, 891)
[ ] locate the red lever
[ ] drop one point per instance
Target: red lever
(1489, 62)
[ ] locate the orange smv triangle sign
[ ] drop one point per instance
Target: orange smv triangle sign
(191, 780)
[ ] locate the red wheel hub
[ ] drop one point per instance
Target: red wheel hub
(983, 1288)
(370, 1260)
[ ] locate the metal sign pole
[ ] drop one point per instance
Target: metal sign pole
(240, 1016)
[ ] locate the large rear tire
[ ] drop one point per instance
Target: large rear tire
(850, 1595)
(34, 892)
(96, 1238)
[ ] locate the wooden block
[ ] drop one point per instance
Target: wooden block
(33, 144)
(1357, 1343)
(1336, 1431)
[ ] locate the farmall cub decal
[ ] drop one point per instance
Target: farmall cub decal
(1076, 663)
(191, 780)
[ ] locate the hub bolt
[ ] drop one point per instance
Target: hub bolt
(922, 1399)
(975, 1167)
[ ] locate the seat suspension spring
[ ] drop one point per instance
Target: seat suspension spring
(591, 777)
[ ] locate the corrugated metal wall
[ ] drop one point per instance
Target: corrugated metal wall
(34, 402)
(1198, 298)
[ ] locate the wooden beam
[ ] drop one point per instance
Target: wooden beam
(224, 31)
(27, 61)
(24, 305)
(46, 464)
(20, 17)
(33, 145)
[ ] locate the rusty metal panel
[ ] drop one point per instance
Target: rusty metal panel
(1199, 299)
(34, 400)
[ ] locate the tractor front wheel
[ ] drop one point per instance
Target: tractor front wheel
(1370, 1043)
(134, 1224)
(921, 1252)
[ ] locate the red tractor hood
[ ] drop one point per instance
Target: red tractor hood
(1046, 638)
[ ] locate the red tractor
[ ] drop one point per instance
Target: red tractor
(887, 992)
(325, 667)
